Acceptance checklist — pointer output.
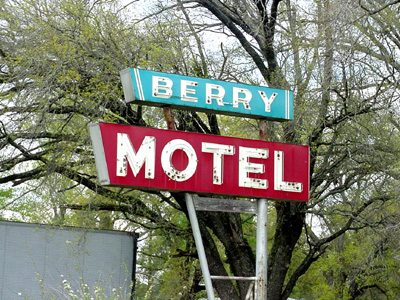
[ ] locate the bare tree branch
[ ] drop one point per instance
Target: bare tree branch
(377, 10)
(317, 248)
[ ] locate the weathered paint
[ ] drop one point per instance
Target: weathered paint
(156, 159)
(223, 97)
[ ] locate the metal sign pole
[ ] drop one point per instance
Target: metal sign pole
(199, 246)
(169, 117)
(261, 250)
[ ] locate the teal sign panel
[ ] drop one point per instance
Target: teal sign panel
(221, 97)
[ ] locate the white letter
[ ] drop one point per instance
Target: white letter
(166, 160)
(279, 184)
(246, 167)
(218, 151)
(245, 100)
(219, 96)
(126, 154)
(163, 90)
(267, 102)
(185, 91)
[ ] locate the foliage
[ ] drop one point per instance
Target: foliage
(5, 194)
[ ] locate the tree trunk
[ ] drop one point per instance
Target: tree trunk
(239, 255)
(289, 225)
(228, 230)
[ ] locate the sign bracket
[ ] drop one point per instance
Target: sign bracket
(194, 202)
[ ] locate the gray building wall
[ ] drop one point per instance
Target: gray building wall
(39, 261)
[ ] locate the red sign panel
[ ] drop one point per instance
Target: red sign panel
(156, 159)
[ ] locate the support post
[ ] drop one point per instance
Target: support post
(199, 246)
(261, 250)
